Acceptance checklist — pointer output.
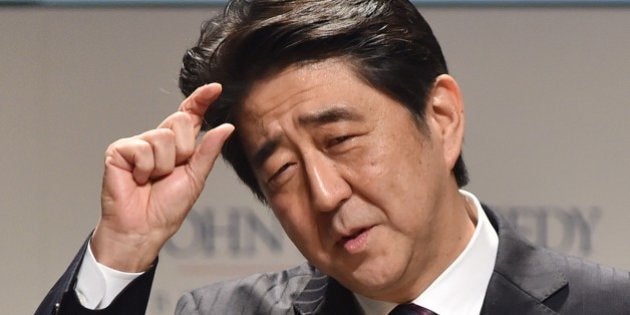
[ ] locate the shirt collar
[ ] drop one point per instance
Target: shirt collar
(461, 288)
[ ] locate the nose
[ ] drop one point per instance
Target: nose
(328, 188)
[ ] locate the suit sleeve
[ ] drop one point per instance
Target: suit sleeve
(62, 299)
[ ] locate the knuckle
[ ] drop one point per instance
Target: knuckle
(181, 117)
(118, 146)
(164, 136)
(158, 137)
(161, 170)
(144, 165)
(144, 147)
(118, 143)
(185, 149)
(176, 119)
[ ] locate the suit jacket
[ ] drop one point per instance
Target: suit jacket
(526, 280)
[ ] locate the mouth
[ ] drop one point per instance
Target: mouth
(355, 241)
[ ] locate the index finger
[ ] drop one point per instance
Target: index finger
(198, 102)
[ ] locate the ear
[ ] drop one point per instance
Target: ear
(445, 117)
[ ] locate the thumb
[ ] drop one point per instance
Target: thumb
(208, 149)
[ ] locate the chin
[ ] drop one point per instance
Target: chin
(375, 280)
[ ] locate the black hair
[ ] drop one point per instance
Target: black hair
(388, 44)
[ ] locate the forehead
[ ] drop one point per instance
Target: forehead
(290, 99)
(297, 85)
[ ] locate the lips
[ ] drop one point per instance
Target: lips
(355, 241)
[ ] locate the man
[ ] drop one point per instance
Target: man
(342, 118)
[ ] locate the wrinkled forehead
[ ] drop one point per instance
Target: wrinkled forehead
(283, 92)
(327, 69)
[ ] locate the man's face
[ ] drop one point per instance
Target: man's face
(354, 180)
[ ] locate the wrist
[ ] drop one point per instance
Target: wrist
(124, 252)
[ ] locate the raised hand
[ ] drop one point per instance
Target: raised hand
(152, 180)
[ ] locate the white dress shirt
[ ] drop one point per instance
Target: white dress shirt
(461, 288)
(98, 285)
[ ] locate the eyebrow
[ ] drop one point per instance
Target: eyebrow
(267, 149)
(323, 117)
(329, 115)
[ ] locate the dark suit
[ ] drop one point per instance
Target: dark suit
(526, 280)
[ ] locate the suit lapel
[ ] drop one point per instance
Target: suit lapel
(524, 276)
(324, 295)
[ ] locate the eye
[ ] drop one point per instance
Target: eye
(339, 140)
(279, 172)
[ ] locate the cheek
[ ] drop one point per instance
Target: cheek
(396, 180)
(297, 220)
(377, 172)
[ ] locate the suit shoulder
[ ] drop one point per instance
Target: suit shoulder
(593, 286)
(263, 293)
(588, 273)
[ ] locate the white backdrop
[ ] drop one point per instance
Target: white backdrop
(547, 143)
